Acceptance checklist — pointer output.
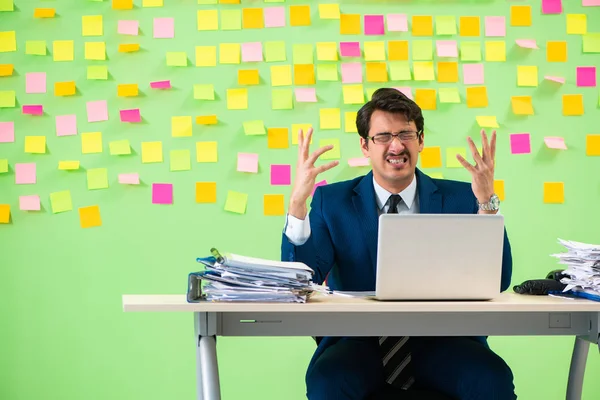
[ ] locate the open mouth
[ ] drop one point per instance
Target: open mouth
(397, 161)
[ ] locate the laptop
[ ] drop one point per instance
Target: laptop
(439, 256)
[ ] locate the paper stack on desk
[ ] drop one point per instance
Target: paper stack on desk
(583, 267)
(232, 277)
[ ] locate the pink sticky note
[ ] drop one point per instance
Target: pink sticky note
(247, 162)
(586, 76)
(7, 132)
(352, 73)
(446, 48)
(97, 111)
(555, 79)
(527, 43)
(407, 91)
(374, 25)
(35, 82)
(25, 174)
(555, 142)
(359, 162)
(495, 26)
(66, 125)
(131, 115)
(397, 23)
(274, 17)
(252, 52)
(160, 85)
(162, 193)
(321, 183)
(29, 203)
(590, 3)
(129, 179)
(350, 49)
(473, 74)
(551, 6)
(520, 143)
(306, 95)
(164, 28)
(126, 27)
(280, 174)
(33, 109)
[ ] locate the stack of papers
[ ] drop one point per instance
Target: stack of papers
(583, 266)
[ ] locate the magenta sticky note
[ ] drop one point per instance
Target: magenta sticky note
(520, 143)
(29, 203)
(247, 162)
(320, 183)
(66, 125)
(551, 6)
(495, 26)
(162, 193)
(555, 78)
(129, 179)
(555, 142)
(446, 48)
(374, 25)
(586, 76)
(252, 52)
(352, 73)
(160, 85)
(33, 109)
(527, 43)
(359, 162)
(473, 74)
(35, 82)
(274, 17)
(128, 27)
(306, 95)
(7, 132)
(164, 28)
(97, 111)
(130, 115)
(590, 3)
(407, 91)
(281, 174)
(25, 174)
(397, 23)
(350, 49)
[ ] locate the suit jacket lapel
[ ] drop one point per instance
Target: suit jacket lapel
(365, 207)
(430, 200)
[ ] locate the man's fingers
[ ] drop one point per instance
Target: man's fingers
(485, 147)
(493, 147)
(326, 167)
(317, 153)
(300, 145)
(474, 151)
(465, 163)
(306, 144)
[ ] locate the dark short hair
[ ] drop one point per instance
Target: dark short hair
(389, 100)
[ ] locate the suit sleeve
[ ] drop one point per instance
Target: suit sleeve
(317, 252)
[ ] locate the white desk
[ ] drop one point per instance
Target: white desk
(509, 314)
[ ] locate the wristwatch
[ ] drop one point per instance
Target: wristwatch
(492, 205)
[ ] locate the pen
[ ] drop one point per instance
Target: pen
(217, 255)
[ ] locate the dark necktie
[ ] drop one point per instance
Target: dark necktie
(394, 349)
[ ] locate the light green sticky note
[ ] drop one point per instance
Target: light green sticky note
(256, 127)
(207, 1)
(204, 91)
(61, 201)
(176, 59)
(451, 152)
(369, 92)
(436, 175)
(3, 166)
(7, 5)
(97, 72)
(231, 20)
(236, 202)
(274, 1)
(327, 72)
(35, 47)
(120, 147)
(445, 25)
(97, 178)
(7, 98)
(422, 50)
(449, 95)
(470, 51)
(333, 154)
(399, 71)
(275, 51)
(302, 54)
(591, 43)
(282, 99)
(180, 160)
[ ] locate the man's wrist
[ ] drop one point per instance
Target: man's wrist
(298, 209)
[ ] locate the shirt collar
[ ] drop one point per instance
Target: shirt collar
(408, 194)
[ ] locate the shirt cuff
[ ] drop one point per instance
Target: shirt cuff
(297, 230)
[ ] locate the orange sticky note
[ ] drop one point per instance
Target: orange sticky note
(350, 24)
(426, 98)
(248, 77)
(520, 15)
(206, 120)
(122, 4)
(127, 90)
(277, 138)
(477, 97)
(44, 13)
(90, 216)
(377, 72)
(422, 25)
(398, 50)
(129, 48)
(273, 204)
(447, 71)
(431, 157)
(4, 213)
(300, 15)
(304, 74)
(592, 145)
(554, 192)
(572, 104)
(6, 69)
(252, 18)
(64, 88)
(469, 26)
(521, 105)
(499, 188)
(206, 192)
(556, 51)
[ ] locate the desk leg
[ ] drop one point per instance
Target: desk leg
(577, 370)
(207, 370)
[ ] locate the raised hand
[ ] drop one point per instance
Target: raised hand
(482, 172)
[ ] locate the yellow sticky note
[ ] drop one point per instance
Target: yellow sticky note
(206, 192)
(592, 145)
(231, 20)
(281, 75)
(527, 75)
(206, 120)
(327, 51)
(423, 71)
(499, 189)
(68, 165)
(181, 126)
(35, 144)
(177, 59)
(95, 50)
(521, 105)
(572, 104)
(277, 138)
(208, 20)
(556, 51)
(44, 13)
(376, 72)
(477, 97)
(350, 122)
(119, 147)
(374, 51)
(520, 15)
(398, 50)
(353, 94)
(451, 153)
(469, 26)
(237, 99)
(426, 99)
(554, 192)
(8, 41)
(6, 69)
(248, 77)
(300, 15)
(236, 202)
(180, 160)
(127, 90)
(91, 25)
(91, 142)
(152, 3)
(447, 71)
(89, 217)
(206, 152)
(422, 25)
(122, 4)
(350, 24)
(64, 88)
(295, 130)
(304, 74)
(229, 53)
(35, 47)
(495, 50)
(152, 152)
(334, 153)
(129, 47)
(4, 213)
(63, 50)
(330, 118)
(576, 24)
(273, 205)
(252, 18)
(329, 11)
(487, 121)
(206, 56)
(204, 91)
(431, 157)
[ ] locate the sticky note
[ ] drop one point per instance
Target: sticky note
(352, 49)
(237, 99)
(327, 51)
(591, 43)
(181, 126)
(282, 99)
(304, 74)
(521, 105)
(469, 26)
(422, 50)
(95, 51)
(162, 193)
(473, 74)
(555, 142)
(8, 41)
(6, 69)
(206, 120)
(231, 20)
(520, 15)
(487, 121)
(527, 43)
(4, 213)
(35, 144)
(65, 88)
(556, 51)
(35, 47)
(252, 18)
(206, 192)
(374, 51)
(97, 111)
(247, 162)
(334, 153)
(470, 51)
(329, 11)
(398, 50)
(576, 24)
(299, 15)
(353, 94)
(499, 189)
(206, 152)
(160, 84)
(495, 26)
(35, 82)
(527, 75)
(445, 25)
(554, 192)
(29, 203)
(359, 162)
(89, 217)
(376, 72)
(495, 51)
(397, 23)
(477, 97)
(352, 72)
(446, 48)
(327, 72)
(206, 56)
(91, 25)
(557, 79)
(254, 127)
(277, 138)
(520, 143)
(451, 153)
(449, 95)
(586, 76)
(296, 128)
(431, 157)
(592, 145)
(273, 205)
(128, 27)
(330, 118)
(400, 71)
(120, 147)
(61, 201)
(180, 160)
(426, 98)
(97, 178)
(7, 132)
(302, 53)
(25, 173)
(281, 174)
(152, 152)
(204, 91)
(236, 202)
(447, 71)
(129, 48)
(132, 115)
(572, 104)
(590, 3)
(551, 6)
(33, 109)
(3, 165)
(350, 24)
(91, 142)
(7, 5)
(275, 51)
(422, 25)
(97, 72)
(229, 53)
(207, 20)
(423, 71)
(306, 95)
(129, 179)
(374, 25)
(252, 52)
(122, 4)
(68, 165)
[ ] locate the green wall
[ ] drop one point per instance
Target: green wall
(64, 335)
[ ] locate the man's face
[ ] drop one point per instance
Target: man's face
(394, 162)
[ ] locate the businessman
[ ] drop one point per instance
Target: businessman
(338, 239)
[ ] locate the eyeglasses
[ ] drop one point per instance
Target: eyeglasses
(404, 136)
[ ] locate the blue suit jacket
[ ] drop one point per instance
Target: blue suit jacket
(344, 224)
